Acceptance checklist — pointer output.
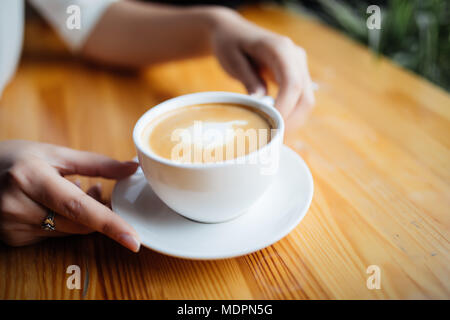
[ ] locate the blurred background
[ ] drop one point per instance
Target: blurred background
(415, 34)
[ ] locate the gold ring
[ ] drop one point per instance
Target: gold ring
(49, 222)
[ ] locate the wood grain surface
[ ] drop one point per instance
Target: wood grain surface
(377, 143)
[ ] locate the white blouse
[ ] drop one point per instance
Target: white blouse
(57, 13)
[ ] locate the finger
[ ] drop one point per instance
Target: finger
(238, 66)
(69, 161)
(19, 208)
(21, 232)
(307, 99)
(62, 224)
(288, 95)
(290, 84)
(304, 105)
(38, 231)
(283, 64)
(63, 197)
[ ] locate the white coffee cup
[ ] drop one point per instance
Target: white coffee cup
(211, 192)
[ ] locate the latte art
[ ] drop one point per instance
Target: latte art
(215, 134)
(212, 132)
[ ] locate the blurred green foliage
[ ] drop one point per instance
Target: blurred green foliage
(414, 33)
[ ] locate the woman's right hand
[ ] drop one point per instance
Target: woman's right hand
(245, 50)
(32, 183)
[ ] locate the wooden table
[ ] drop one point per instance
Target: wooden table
(377, 143)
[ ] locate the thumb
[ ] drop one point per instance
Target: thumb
(70, 161)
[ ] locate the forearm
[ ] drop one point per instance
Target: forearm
(137, 34)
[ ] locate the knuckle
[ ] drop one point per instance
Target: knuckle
(16, 174)
(285, 41)
(20, 171)
(106, 228)
(264, 44)
(259, 44)
(274, 42)
(74, 207)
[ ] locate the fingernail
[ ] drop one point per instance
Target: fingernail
(130, 242)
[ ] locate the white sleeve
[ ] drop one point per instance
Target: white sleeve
(58, 13)
(11, 33)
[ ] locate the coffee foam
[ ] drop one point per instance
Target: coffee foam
(210, 134)
(204, 127)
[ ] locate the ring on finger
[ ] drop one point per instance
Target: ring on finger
(49, 221)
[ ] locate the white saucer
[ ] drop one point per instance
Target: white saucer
(271, 218)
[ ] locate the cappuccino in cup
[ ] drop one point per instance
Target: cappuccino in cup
(210, 155)
(211, 132)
